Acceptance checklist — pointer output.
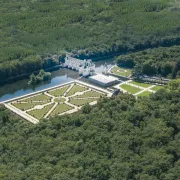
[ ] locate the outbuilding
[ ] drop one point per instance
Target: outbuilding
(103, 80)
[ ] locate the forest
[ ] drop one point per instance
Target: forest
(119, 138)
(33, 29)
(160, 61)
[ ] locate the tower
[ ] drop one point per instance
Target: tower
(105, 68)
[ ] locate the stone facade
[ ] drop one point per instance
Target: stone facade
(84, 67)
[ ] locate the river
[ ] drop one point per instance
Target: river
(60, 76)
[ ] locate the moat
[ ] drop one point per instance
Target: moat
(60, 76)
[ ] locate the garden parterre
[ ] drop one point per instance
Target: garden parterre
(64, 99)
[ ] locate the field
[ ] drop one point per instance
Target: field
(61, 100)
(130, 89)
(121, 71)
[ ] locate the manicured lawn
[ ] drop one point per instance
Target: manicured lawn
(76, 88)
(81, 102)
(145, 85)
(145, 93)
(60, 108)
(60, 100)
(130, 89)
(121, 71)
(59, 92)
(26, 105)
(40, 97)
(91, 94)
(40, 113)
(156, 88)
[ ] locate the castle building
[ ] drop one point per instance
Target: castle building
(85, 68)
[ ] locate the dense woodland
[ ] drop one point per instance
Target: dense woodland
(158, 61)
(32, 29)
(121, 138)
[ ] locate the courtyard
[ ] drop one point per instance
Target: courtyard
(65, 99)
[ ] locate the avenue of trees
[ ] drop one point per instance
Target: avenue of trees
(119, 138)
(91, 29)
(161, 61)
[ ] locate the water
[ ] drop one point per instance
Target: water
(21, 87)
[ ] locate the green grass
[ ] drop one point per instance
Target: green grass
(91, 94)
(81, 102)
(40, 113)
(145, 93)
(130, 89)
(76, 88)
(40, 97)
(59, 92)
(60, 109)
(156, 88)
(60, 100)
(145, 85)
(121, 71)
(25, 106)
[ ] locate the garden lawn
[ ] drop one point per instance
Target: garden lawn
(76, 88)
(156, 88)
(26, 105)
(60, 108)
(81, 102)
(39, 97)
(91, 94)
(130, 89)
(121, 71)
(145, 93)
(59, 92)
(144, 85)
(40, 113)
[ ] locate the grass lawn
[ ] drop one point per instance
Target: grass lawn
(81, 102)
(60, 99)
(156, 88)
(145, 93)
(60, 108)
(26, 105)
(91, 94)
(121, 71)
(76, 88)
(40, 97)
(40, 113)
(130, 89)
(145, 85)
(59, 92)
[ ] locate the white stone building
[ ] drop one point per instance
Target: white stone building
(84, 67)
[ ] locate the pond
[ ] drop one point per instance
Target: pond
(60, 76)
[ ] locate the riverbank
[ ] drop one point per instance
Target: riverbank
(23, 76)
(59, 76)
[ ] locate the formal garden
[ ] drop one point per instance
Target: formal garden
(138, 89)
(65, 99)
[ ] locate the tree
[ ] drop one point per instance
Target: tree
(174, 85)
(137, 71)
(32, 79)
